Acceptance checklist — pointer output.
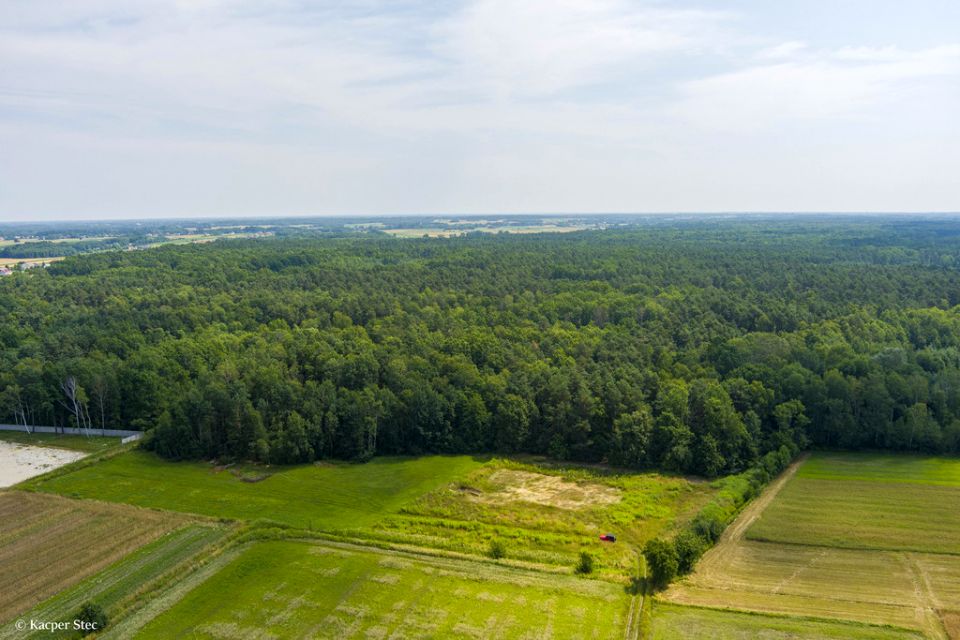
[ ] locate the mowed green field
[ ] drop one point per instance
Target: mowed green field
(302, 590)
(864, 501)
(88, 444)
(331, 496)
(694, 623)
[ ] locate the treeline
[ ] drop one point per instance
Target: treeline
(696, 347)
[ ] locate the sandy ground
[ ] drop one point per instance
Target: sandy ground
(548, 490)
(20, 461)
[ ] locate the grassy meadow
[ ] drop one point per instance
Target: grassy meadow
(694, 623)
(864, 501)
(333, 496)
(295, 589)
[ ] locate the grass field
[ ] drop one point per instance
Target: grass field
(694, 623)
(49, 543)
(863, 501)
(117, 586)
(299, 590)
(838, 541)
(548, 515)
(329, 496)
(91, 444)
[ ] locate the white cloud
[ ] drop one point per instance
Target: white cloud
(274, 106)
(540, 47)
(817, 86)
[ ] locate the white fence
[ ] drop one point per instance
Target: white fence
(126, 434)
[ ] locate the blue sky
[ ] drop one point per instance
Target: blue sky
(113, 108)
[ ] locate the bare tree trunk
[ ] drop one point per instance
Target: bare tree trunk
(75, 403)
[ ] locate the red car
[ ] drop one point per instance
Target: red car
(608, 537)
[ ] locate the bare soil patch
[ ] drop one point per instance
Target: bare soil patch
(19, 461)
(554, 491)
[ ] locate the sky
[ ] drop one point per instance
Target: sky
(142, 108)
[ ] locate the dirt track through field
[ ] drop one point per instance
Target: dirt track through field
(714, 559)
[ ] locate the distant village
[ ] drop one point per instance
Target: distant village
(23, 266)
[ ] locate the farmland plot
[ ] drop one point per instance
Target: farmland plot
(862, 501)
(863, 565)
(295, 589)
(695, 623)
(116, 588)
(84, 537)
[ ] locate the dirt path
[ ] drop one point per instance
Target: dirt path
(749, 515)
(928, 604)
(715, 559)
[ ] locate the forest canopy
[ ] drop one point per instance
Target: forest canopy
(695, 347)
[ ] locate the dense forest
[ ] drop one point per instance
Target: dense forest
(691, 346)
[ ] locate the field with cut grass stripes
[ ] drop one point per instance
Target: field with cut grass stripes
(695, 623)
(115, 588)
(301, 590)
(854, 537)
(862, 501)
(49, 543)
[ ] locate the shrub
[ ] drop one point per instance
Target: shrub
(662, 562)
(689, 547)
(92, 618)
(585, 564)
(496, 550)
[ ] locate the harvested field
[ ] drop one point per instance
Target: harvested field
(49, 543)
(295, 589)
(116, 587)
(695, 623)
(19, 462)
(868, 586)
(856, 568)
(863, 501)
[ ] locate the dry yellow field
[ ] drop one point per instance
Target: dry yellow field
(82, 536)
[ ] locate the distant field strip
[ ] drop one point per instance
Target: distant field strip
(840, 540)
(331, 496)
(121, 581)
(301, 590)
(49, 543)
(695, 623)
